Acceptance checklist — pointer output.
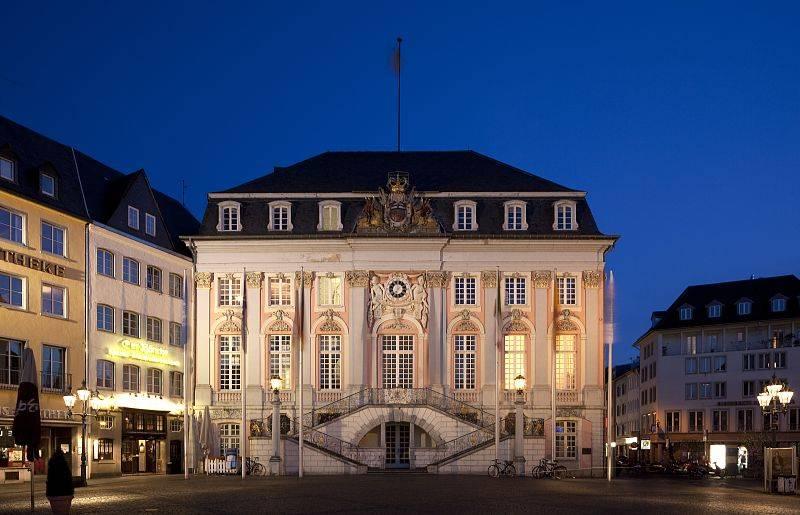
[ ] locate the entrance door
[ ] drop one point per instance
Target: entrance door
(397, 445)
(398, 360)
(130, 457)
(175, 457)
(151, 451)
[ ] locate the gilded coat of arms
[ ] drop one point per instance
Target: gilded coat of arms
(400, 210)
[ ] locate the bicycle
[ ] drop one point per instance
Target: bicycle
(254, 468)
(502, 468)
(549, 469)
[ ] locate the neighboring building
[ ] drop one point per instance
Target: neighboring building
(626, 408)
(399, 291)
(706, 358)
(136, 325)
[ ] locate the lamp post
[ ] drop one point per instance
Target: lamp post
(775, 400)
(519, 425)
(275, 460)
(91, 403)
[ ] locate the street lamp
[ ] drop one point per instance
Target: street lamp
(91, 403)
(519, 425)
(775, 400)
(275, 383)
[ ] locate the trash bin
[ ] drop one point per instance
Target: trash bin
(787, 484)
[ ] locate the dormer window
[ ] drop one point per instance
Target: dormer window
(7, 169)
(564, 216)
(778, 304)
(229, 217)
(280, 216)
(714, 310)
(465, 216)
(47, 184)
(685, 312)
(133, 218)
(150, 224)
(515, 219)
(744, 307)
(330, 216)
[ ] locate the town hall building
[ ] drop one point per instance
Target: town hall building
(384, 270)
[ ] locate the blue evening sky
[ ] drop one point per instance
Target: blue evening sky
(682, 121)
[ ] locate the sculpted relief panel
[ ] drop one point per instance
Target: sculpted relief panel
(398, 294)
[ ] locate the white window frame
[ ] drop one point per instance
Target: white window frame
(101, 367)
(154, 329)
(714, 310)
(23, 291)
(152, 375)
(323, 303)
(465, 370)
(564, 293)
(778, 304)
(111, 260)
(461, 284)
(515, 204)
(507, 297)
(23, 229)
(138, 327)
(138, 270)
(175, 280)
(176, 334)
(53, 288)
(273, 208)
(685, 312)
(52, 177)
(568, 436)
(566, 362)
(53, 228)
(148, 221)
(229, 437)
(132, 211)
(154, 272)
(280, 359)
(514, 355)
(107, 310)
(573, 225)
(744, 307)
(235, 210)
(229, 369)
(175, 383)
(466, 204)
(673, 421)
(12, 165)
(226, 288)
(330, 361)
(280, 281)
(337, 221)
(128, 376)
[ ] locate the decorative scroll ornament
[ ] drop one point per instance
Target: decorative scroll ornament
(592, 278)
(203, 279)
(466, 324)
(569, 412)
(400, 211)
(280, 325)
(489, 279)
(437, 279)
(541, 278)
(516, 324)
(564, 323)
(230, 325)
(357, 278)
(307, 279)
(254, 279)
(330, 325)
(223, 413)
(398, 295)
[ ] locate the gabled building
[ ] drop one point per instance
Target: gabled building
(400, 258)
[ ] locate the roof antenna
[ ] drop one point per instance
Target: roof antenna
(397, 63)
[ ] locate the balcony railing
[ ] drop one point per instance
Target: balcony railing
(568, 398)
(227, 397)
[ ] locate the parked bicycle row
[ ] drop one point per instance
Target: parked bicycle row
(546, 469)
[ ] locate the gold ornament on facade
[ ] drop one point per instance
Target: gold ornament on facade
(203, 279)
(357, 278)
(254, 279)
(400, 210)
(330, 325)
(307, 279)
(230, 325)
(489, 279)
(516, 325)
(466, 324)
(437, 279)
(541, 278)
(564, 323)
(280, 325)
(592, 278)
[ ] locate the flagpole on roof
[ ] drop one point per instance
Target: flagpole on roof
(397, 68)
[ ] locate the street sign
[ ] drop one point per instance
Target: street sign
(645, 445)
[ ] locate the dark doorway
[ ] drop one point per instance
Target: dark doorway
(175, 457)
(397, 445)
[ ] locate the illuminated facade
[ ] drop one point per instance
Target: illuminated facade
(401, 273)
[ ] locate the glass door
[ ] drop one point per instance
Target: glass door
(397, 444)
(398, 360)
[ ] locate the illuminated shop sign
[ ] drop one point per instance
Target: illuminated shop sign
(48, 414)
(142, 351)
(31, 262)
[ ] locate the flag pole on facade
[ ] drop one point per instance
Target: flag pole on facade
(609, 320)
(498, 313)
(243, 373)
(553, 350)
(397, 63)
(299, 325)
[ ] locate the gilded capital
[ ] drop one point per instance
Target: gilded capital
(203, 279)
(307, 279)
(592, 278)
(437, 279)
(254, 279)
(357, 278)
(541, 278)
(489, 278)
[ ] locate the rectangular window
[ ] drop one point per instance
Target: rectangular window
(748, 388)
(150, 224)
(764, 360)
(280, 291)
(705, 364)
(780, 359)
(54, 300)
(176, 286)
(567, 291)
(130, 378)
(230, 291)
(10, 360)
(229, 438)
(778, 305)
(696, 421)
(280, 359)
(794, 419)
(714, 311)
(720, 390)
(6, 169)
(514, 218)
(566, 439)
(176, 384)
(105, 318)
(133, 218)
(514, 356)
(398, 360)
(465, 217)
(330, 359)
(330, 218)
(105, 421)
(673, 421)
(743, 308)
(566, 357)
(11, 226)
(104, 449)
(130, 270)
(175, 334)
(154, 381)
(53, 239)
(564, 217)
(691, 345)
(130, 324)
(153, 278)
(720, 363)
(465, 291)
(230, 219)
(280, 218)
(11, 291)
(465, 346)
(690, 366)
(230, 372)
(515, 291)
(153, 331)
(53, 367)
(47, 184)
(105, 374)
(719, 420)
(748, 361)
(330, 291)
(705, 390)
(691, 391)
(105, 263)
(745, 419)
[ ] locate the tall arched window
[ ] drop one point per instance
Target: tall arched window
(230, 368)
(566, 361)
(280, 358)
(330, 361)
(465, 346)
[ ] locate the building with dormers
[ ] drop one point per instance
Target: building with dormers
(704, 361)
(93, 279)
(397, 256)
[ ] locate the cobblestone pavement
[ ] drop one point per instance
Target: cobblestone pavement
(410, 494)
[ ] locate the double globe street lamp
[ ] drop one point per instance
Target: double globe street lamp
(774, 400)
(91, 404)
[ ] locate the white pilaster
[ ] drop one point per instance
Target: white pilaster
(541, 348)
(255, 353)
(488, 348)
(359, 342)
(203, 342)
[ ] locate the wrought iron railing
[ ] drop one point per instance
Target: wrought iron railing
(334, 445)
(471, 440)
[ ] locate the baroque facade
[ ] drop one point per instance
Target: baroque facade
(398, 274)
